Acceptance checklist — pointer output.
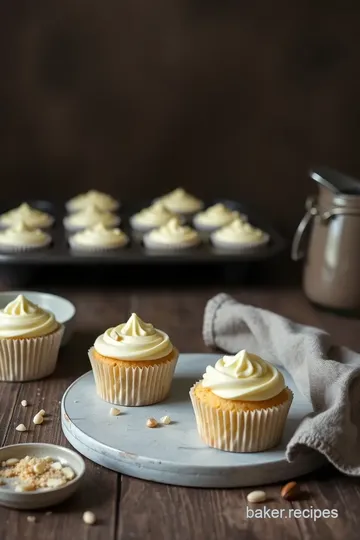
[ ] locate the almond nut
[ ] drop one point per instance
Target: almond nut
(290, 491)
(256, 496)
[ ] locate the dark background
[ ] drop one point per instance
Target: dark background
(225, 98)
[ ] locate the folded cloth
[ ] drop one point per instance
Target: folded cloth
(327, 374)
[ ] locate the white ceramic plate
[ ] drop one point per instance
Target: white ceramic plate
(41, 498)
(62, 308)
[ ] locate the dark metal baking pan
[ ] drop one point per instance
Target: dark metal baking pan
(59, 253)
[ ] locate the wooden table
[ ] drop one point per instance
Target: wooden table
(131, 509)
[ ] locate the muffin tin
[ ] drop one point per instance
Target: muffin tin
(59, 253)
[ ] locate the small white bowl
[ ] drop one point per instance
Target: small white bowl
(42, 498)
(62, 308)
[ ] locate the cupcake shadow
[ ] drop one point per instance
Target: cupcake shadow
(180, 389)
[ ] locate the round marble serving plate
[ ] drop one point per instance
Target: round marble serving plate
(174, 454)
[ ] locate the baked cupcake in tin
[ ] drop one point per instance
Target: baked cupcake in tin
(88, 218)
(214, 217)
(181, 202)
(102, 201)
(172, 235)
(30, 339)
(98, 238)
(20, 237)
(241, 404)
(133, 363)
(240, 236)
(32, 217)
(150, 218)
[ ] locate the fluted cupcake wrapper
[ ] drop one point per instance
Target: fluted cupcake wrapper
(151, 244)
(240, 431)
(20, 249)
(133, 386)
(29, 359)
(91, 249)
(240, 247)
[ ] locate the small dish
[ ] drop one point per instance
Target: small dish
(42, 498)
(62, 308)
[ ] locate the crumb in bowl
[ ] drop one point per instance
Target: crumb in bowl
(33, 473)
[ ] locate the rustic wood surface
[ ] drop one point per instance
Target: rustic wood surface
(128, 508)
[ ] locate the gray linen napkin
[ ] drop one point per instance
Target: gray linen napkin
(325, 373)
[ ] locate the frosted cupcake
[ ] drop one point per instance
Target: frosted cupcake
(239, 235)
(150, 218)
(133, 363)
(241, 404)
(88, 218)
(20, 237)
(30, 339)
(181, 202)
(102, 201)
(33, 218)
(98, 238)
(214, 217)
(173, 235)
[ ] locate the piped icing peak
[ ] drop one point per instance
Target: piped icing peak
(244, 376)
(239, 231)
(102, 200)
(179, 200)
(32, 217)
(134, 340)
(22, 318)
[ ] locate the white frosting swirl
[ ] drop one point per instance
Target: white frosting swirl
(134, 340)
(102, 201)
(216, 216)
(23, 319)
(32, 217)
(179, 201)
(239, 232)
(21, 235)
(155, 215)
(89, 217)
(172, 234)
(245, 377)
(99, 236)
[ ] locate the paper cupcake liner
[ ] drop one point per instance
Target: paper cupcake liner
(133, 386)
(246, 246)
(29, 359)
(150, 244)
(95, 249)
(74, 229)
(240, 431)
(21, 249)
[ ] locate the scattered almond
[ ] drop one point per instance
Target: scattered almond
(11, 461)
(38, 419)
(256, 496)
(114, 411)
(290, 491)
(166, 420)
(31, 519)
(24, 403)
(55, 482)
(40, 467)
(57, 466)
(151, 422)
(25, 487)
(89, 518)
(68, 473)
(21, 428)
(42, 412)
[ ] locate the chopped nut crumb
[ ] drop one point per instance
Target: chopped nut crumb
(151, 422)
(114, 411)
(24, 403)
(89, 518)
(32, 473)
(31, 519)
(21, 427)
(166, 420)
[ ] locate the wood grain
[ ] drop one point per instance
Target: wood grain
(131, 509)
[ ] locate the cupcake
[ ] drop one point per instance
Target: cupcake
(241, 404)
(98, 238)
(150, 218)
(102, 201)
(33, 218)
(88, 218)
(215, 217)
(30, 339)
(133, 363)
(20, 237)
(181, 202)
(239, 235)
(173, 235)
